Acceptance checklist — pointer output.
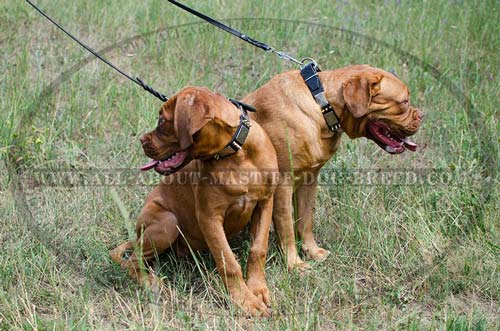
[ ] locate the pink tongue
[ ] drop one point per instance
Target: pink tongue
(149, 165)
(409, 144)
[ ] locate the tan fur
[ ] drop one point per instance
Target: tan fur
(182, 214)
(293, 121)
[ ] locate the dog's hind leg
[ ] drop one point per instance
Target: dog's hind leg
(156, 231)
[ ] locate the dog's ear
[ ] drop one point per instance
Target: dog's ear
(358, 91)
(195, 109)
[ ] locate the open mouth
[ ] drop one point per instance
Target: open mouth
(380, 133)
(168, 166)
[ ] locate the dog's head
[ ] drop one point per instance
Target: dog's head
(378, 105)
(194, 124)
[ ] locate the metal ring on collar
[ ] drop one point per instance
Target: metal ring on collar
(307, 60)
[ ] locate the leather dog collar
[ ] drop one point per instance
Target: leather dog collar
(241, 133)
(309, 72)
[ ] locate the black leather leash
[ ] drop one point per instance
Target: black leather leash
(308, 68)
(239, 136)
(236, 33)
(136, 80)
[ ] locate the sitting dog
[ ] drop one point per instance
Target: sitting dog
(369, 102)
(205, 127)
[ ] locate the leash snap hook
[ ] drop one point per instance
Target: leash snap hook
(285, 56)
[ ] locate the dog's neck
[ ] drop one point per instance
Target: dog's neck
(332, 84)
(252, 143)
(219, 140)
(211, 139)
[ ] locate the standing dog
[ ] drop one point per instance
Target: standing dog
(197, 125)
(369, 102)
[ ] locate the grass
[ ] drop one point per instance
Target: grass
(415, 257)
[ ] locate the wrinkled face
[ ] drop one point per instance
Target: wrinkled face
(162, 144)
(194, 124)
(380, 110)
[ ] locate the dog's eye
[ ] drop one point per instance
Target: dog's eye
(161, 120)
(405, 104)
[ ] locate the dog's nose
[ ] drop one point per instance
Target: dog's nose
(144, 139)
(420, 114)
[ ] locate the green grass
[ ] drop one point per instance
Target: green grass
(410, 257)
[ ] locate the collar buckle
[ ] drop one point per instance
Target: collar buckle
(241, 133)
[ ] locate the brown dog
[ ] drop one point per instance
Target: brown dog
(369, 102)
(197, 124)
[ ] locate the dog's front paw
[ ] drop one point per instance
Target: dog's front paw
(260, 290)
(250, 304)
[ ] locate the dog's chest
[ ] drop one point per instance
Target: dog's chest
(238, 214)
(311, 151)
